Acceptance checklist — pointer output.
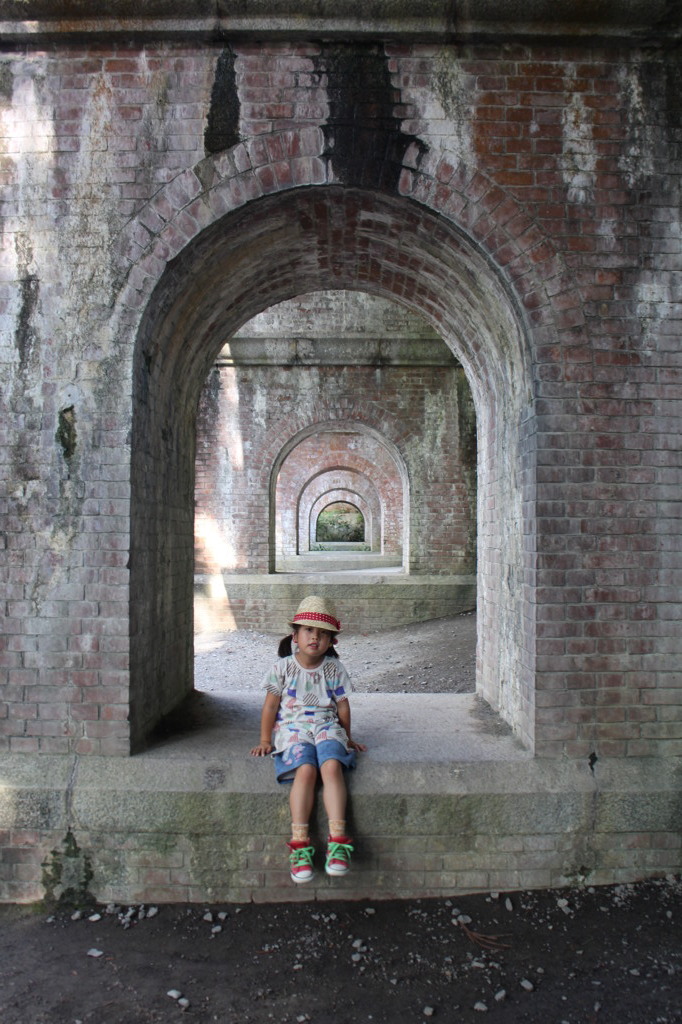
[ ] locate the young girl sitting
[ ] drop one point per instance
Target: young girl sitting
(305, 724)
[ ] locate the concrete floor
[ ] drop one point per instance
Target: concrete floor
(409, 728)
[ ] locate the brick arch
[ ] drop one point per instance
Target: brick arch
(450, 246)
(351, 481)
(326, 446)
(352, 498)
(388, 469)
(474, 205)
(318, 493)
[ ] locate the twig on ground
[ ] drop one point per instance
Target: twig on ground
(491, 942)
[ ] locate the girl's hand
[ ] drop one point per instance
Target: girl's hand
(262, 750)
(356, 746)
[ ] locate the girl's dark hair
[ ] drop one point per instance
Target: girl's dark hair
(284, 649)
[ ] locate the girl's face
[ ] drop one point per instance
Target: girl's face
(313, 642)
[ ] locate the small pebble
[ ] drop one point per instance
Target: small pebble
(481, 1007)
(183, 1002)
(95, 952)
(428, 1011)
(95, 917)
(500, 995)
(508, 904)
(174, 993)
(528, 985)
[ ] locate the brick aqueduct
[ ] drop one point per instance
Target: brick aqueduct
(503, 189)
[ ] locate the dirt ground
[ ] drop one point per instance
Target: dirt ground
(579, 956)
(611, 955)
(429, 657)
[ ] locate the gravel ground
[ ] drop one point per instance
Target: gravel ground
(430, 657)
(577, 956)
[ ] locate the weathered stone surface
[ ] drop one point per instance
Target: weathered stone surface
(167, 829)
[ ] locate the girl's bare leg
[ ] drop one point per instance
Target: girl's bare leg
(302, 796)
(334, 792)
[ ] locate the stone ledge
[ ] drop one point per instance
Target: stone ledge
(436, 19)
(374, 600)
(163, 827)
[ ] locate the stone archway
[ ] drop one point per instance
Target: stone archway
(274, 248)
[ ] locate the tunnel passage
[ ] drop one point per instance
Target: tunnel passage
(367, 463)
(273, 249)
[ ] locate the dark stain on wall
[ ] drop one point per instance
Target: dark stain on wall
(363, 137)
(66, 432)
(222, 123)
(24, 334)
(6, 81)
(673, 95)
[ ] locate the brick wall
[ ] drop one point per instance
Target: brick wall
(523, 199)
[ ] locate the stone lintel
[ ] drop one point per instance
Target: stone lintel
(430, 19)
(360, 351)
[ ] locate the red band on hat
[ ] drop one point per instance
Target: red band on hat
(317, 617)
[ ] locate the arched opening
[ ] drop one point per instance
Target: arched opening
(338, 494)
(307, 359)
(329, 457)
(306, 240)
(340, 523)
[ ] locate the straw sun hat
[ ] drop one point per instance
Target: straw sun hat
(316, 611)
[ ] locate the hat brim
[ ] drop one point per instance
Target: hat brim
(327, 622)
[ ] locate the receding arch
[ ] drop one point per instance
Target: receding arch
(339, 521)
(380, 474)
(367, 503)
(342, 427)
(272, 249)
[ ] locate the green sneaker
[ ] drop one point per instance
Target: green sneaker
(338, 856)
(301, 861)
